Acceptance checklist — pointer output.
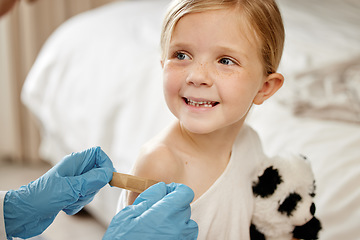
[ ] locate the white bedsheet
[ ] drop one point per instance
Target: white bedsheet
(321, 60)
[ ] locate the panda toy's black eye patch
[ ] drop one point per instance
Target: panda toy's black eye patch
(289, 204)
(267, 183)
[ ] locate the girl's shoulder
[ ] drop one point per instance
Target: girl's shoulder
(158, 161)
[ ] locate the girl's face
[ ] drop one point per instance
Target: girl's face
(212, 72)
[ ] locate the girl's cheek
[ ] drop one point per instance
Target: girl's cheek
(172, 77)
(170, 85)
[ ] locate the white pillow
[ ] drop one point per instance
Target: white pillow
(98, 81)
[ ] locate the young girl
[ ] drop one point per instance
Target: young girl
(219, 57)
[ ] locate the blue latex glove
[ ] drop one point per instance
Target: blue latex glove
(161, 212)
(68, 186)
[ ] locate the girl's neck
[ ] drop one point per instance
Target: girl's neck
(217, 144)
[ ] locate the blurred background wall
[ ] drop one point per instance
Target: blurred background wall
(23, 31)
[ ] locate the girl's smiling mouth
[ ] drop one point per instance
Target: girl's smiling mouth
(200, 103)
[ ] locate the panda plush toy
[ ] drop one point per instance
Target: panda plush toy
(284, 189)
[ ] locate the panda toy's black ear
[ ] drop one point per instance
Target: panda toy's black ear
(308, 231)
(255, 234)
(267, 183)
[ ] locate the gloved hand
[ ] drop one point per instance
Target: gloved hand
(68, 186)
(161, 212)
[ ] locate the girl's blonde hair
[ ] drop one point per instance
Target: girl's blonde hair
(262, 16)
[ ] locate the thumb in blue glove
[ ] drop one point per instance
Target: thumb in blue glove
(161, 212)
(68, 186)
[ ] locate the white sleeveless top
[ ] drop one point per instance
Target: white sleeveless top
(224, 211)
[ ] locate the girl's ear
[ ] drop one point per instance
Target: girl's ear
(271, 85)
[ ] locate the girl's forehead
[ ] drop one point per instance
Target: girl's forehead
(220, 24)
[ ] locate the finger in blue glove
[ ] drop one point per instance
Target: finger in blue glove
(161, 212)
(68, 186)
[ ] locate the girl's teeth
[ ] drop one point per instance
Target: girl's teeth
(198, 104)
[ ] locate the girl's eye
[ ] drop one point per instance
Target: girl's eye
(181, 56)
(226, 61)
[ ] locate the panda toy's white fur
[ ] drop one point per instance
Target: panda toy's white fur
(284, 189)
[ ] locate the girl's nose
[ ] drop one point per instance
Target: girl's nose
(199, 76)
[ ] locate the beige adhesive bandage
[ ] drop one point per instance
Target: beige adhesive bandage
(132, 183)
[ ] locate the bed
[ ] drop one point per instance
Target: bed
(97, 81)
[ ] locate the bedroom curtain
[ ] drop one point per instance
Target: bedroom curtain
(22, 33)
